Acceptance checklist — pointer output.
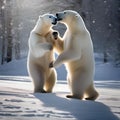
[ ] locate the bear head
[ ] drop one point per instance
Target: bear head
(67, 16)
(48, 19)
(45, 23)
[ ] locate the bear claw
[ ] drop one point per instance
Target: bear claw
(72, 96)
(51, 65)
(40, 91)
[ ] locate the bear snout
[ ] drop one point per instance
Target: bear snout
(56, 14)
(58, 17)
(54, 21)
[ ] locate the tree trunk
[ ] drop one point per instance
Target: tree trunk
(2, 31)
(9, 34)
(105, 58)
(17, 38)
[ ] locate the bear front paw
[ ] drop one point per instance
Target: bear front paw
(50, 47)
(51, 65)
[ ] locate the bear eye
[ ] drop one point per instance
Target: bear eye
(64, 12)
(50, 16)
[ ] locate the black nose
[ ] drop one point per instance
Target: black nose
(57, 14)
(55, 19)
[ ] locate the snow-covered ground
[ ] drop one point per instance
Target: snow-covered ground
(17, 102)
(103, 71)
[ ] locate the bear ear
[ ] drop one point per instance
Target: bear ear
(40, 16)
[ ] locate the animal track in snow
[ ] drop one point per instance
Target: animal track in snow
(13, 100)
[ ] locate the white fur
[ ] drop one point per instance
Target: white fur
(78, 56)
(41, 44)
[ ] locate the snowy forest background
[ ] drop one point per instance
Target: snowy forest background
(18, 17)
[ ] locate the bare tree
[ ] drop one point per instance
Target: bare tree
(117, 55)
(2, 30)
(8, 29)
(17, 37)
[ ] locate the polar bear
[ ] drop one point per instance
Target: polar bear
(42, 41)
(77, 56)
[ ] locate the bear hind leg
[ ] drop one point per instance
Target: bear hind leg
(38, 78)
(76, 89)
(73, 90)
(39, 83)
(50, 82)
(91, 93)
